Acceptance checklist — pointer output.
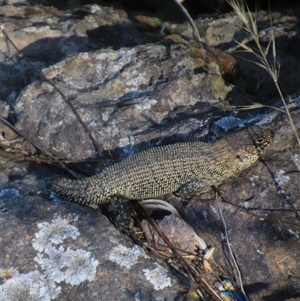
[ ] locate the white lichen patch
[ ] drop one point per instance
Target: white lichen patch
(54, 233)
(146, 104)
(126, 257)
(123, 142)
(296, 159)
(254, 179)
(71, 266)
(158, 277)
(55, 265)
(29, 287)
(281, 178)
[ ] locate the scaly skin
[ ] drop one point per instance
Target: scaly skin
(183, 167)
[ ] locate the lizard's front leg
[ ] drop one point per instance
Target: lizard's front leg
(189, 188)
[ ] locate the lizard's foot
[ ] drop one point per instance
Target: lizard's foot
(122, 206)
(123, 220)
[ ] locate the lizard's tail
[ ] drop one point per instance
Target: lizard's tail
(72, 190)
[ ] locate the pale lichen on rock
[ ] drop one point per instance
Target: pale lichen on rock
(31, 286)
(56, 265)
(126, 257)
(53, 233)
(281, 177)
(158, 277)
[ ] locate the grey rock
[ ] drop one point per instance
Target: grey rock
(3, 178)
(65, 254)
(138, 83)
(120, 95)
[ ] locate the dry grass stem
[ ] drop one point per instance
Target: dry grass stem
(256, 105)
(272, 67)
(187, 15)
(230, 249)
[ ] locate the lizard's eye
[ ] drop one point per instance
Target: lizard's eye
(259, 141)
(262, 143)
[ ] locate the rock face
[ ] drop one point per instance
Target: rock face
(120, 95)
(72, 254)
(137, 82)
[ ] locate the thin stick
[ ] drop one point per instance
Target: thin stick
(184, 263)
(230, 249)
(38, 147)
(21, 55)
(262, 218)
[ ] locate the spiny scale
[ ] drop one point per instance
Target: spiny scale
(183, 167)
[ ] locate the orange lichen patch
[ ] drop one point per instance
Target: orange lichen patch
(122, 13)
(6, 273)
(117, 88)
(175, 38)
(228, 65)
(8, 233)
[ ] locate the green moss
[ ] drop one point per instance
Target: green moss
(51, 10)
(219, 87)
(175, 39)
(178, 29)
(149, 24)
(32, 11)
(202, 29)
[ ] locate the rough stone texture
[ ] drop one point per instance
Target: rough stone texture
(134, 95)
(50, 251)
(120, 95)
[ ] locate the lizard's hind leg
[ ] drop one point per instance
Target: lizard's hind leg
(122, 206)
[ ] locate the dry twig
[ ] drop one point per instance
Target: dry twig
(21, 55)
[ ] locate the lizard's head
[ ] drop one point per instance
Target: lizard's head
(261, 138)
(249, 144)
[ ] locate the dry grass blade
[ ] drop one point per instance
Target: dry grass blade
(256, 105)
(213, 281)
(242, 11)
(187, 267)
(260, 217)
(157, 204)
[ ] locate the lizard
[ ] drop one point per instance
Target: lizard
(181, 167)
